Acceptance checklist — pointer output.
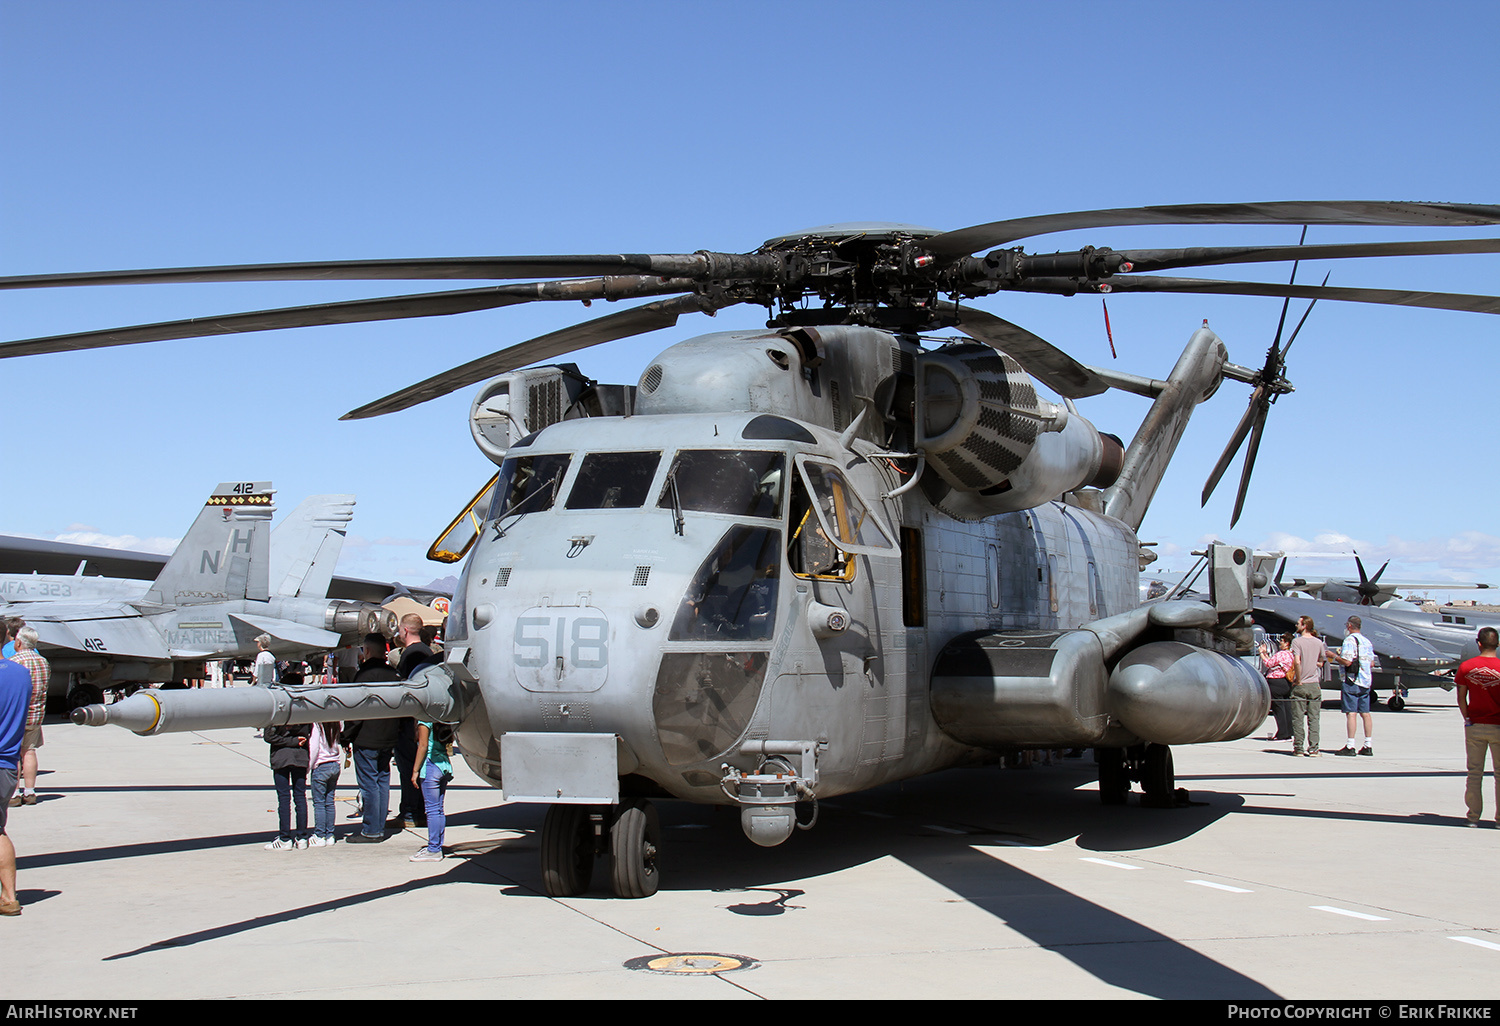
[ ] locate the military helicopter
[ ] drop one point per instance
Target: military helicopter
(799, 561)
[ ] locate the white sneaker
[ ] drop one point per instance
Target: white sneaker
(423, 855)
(300, 842)
(279, 845)
(321, 842)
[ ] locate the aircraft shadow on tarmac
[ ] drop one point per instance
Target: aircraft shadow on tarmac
(932, 825)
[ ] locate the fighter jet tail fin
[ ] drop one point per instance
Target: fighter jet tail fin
(305, 546)
(226, 553)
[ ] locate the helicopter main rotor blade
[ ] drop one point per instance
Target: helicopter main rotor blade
(637, 321)
(427, 304)
(430, 268)
(1203, 256)
(1423, 215)
(1040, 358)
(1388, 297)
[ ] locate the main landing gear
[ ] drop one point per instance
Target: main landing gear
(1149, 764)
(574, 835)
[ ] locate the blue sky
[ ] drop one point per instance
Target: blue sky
(166, 134)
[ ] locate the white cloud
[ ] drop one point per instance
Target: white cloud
(1466, 556)
(88, 536)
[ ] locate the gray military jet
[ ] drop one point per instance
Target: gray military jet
(305, 548)
(1406, 656)
(213, 597)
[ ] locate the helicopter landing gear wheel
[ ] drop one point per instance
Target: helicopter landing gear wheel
(634, 841)
(567, 851)
(1114, 782)
(1157, 775)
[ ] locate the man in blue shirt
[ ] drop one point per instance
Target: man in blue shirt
(15, 696)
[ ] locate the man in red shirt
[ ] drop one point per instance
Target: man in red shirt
(1478, 683)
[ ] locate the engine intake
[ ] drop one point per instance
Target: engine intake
(995, 446)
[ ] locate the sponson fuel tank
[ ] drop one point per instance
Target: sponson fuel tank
(1175, 694)
(1028, 688)
(998, 689)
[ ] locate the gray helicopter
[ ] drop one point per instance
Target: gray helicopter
(801, 561)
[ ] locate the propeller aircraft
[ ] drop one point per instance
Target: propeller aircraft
(798, 561)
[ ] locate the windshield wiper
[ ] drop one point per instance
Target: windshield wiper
(515, 508)
(676, 501)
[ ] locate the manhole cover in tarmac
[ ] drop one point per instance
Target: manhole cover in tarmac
(692, 963)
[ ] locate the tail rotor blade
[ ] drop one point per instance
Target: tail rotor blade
(1235, 441)
(1255, 434)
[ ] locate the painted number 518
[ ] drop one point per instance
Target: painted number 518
(582, 641)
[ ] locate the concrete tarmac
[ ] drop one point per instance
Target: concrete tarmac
(144, 876)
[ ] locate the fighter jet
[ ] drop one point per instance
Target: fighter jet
(212, 600)
(305, 548)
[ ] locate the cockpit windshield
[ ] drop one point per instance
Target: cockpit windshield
(746, 483)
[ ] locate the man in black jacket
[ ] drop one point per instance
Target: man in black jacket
(372, 741)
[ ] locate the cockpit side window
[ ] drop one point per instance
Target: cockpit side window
(809, 550)
(613, 480)
(746, 483)
(529, 484)
(843, 511)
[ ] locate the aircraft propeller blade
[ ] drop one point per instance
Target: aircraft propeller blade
(1424, 215)
(1369, 587)
(1166, 259)
(1040, 358)
(636, 321)
(1389, 297)
(428, 304)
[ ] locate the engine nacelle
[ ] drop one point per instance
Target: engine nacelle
(996, 446)
(1174, 694)
(358, 619)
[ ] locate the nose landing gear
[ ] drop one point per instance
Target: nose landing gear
(574, 835)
